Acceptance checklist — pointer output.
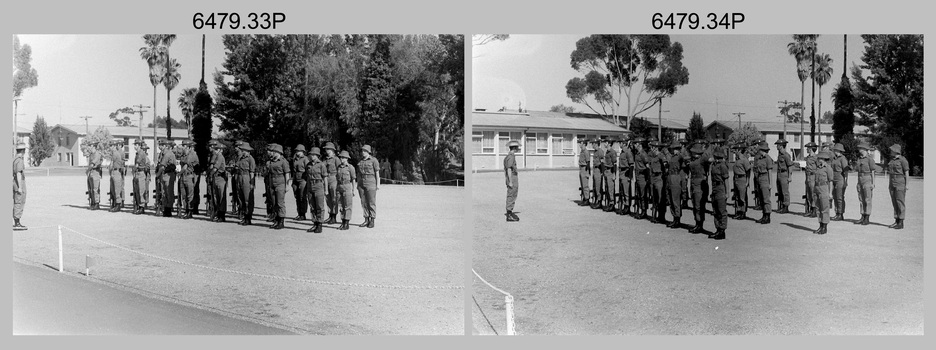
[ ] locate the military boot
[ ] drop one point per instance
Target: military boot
(867, 219)
(344, 225)
(675, 223)
(719, 234)
(318, 227)
(300, 217)
(331, 219)
(366, 222)
(17, 226)
(370, 224)
(314, 226)
(818, 231)
(512, 217)
(899, 224)
(697, 228)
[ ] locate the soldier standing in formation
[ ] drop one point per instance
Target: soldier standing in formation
(642, 177)
(510, 177)
(783, 177)
(331, 164)
(188, 161)
(141, 178)
(217, 179)
(897, 169)
(811, 161)
(720, 174)
(95, 160)
(117, 170)
(595, 174)
(279, 173)
(742, 172)
(684, 180)
(610, 179)
(299, 163)
(674, 180)
(19, 187)
(369, 170)
(584, 167)
(384, 170)
(698, 172)
(626, 172)
(346, 180)
(657, 165)
(397, 170)
(244, 171)
(824, 176)
(865, 167)
(840, 170)
(600, 178)
(166, 175)
(763, 164)
(316, 177)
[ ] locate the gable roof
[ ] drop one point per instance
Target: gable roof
(125, 131)
(777, 127)
(544, 120)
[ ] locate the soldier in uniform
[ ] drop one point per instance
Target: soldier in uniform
(188, 161)
(865, 187)
(811, 161)
(299, 163)
(657, 167)
(397, 170)
(610, 174)
(510, 177)
(117, 170)
(166, 173)
(217, 175)
(141, 177)
(316, 176)
(601, 178)
(384, 171)
(684, 181)
(368, 184)
(19, 187)
(244, 171)
(897, 168)
(824, 176)
(742, 172)
(346, 179)
(674, 176)
(331, 164)
(720, 174)
(626, 173)
(763, 164)
(642, 177)
(584, 167)
(783, 176)
(840, 170)
(95, 160)
(279, 173)
(698, 172)
(596, 173)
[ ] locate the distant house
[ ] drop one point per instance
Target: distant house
(547, 139)
(68, 138)
(22, 136)
(679, 130)
(773, 131)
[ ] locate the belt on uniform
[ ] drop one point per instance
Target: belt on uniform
(315, 181)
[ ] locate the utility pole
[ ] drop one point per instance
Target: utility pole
(739, 114)
(15, 114)
(784, 111)
(660, 120)
(141, 108)
(86, 130)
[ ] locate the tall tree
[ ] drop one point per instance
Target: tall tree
(822, 74)
(561, 108)
(696, 129)
(170, 81)
(633, 69)
(100, 138)
(186, 103)
(122, 116)
(802, 49)
(890, 99)
(748, 133)
(24, 75)
(843, 118)
(40, 142)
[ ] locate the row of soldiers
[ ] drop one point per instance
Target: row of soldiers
(636, 173)
(317, 180)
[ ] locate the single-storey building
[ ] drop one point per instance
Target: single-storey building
(68, 138)
(547, 139)
(773, 131)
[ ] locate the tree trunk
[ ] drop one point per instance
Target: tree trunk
(155, 145)
(168, 120)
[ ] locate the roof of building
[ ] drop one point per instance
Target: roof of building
(669, 124)
(544, 120)
(21, 130)
(777, 127)
(125, 131)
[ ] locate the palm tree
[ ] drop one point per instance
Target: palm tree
(153, 54)
(801, 49)
(822, 75)
(170, 81)
(187, 105)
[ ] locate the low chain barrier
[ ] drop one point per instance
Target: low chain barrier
(401, 182)
(508, 301)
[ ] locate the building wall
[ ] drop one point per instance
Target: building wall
(539, 149)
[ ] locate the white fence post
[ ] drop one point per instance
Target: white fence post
(508, 300)
(61, 254)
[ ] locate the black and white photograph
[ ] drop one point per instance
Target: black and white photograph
(711, 184)
(255, 184)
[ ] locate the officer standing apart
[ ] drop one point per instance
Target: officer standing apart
(244, 171)
(811, 161)
(141, 177)
(166, 173)
(346, 181)
(763, 164)
(95, 160)
(316, 176)
(865, 182)
(331, 164)
(698, 168)
(279, 173)
(217, 174)
(299, 163)
(674, 175)
(720, 176)
(626, 173)
(840, 169)
(19, 187)
(783, 177)
(510, 177)
(824, 177)
(898, 168)
(117, 170)
(584, 167)
(368, 185)
(742, 171)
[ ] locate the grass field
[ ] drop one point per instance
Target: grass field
(575, 270)
(336, 282)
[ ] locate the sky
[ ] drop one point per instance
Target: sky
(94, 75)
(743, 73)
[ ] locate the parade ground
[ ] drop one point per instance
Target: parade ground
(577, 270)
(405, 276)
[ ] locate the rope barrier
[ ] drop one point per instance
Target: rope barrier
(508, 303)
(293, 279)
(456, 181)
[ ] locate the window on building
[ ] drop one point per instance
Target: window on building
(568, 147)
(59, 157)
(828, 138)
(530, 143)
(795, 137)
(502, 138)
(556, 143)
(486, 142)
(476, 137)
(542, 143)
